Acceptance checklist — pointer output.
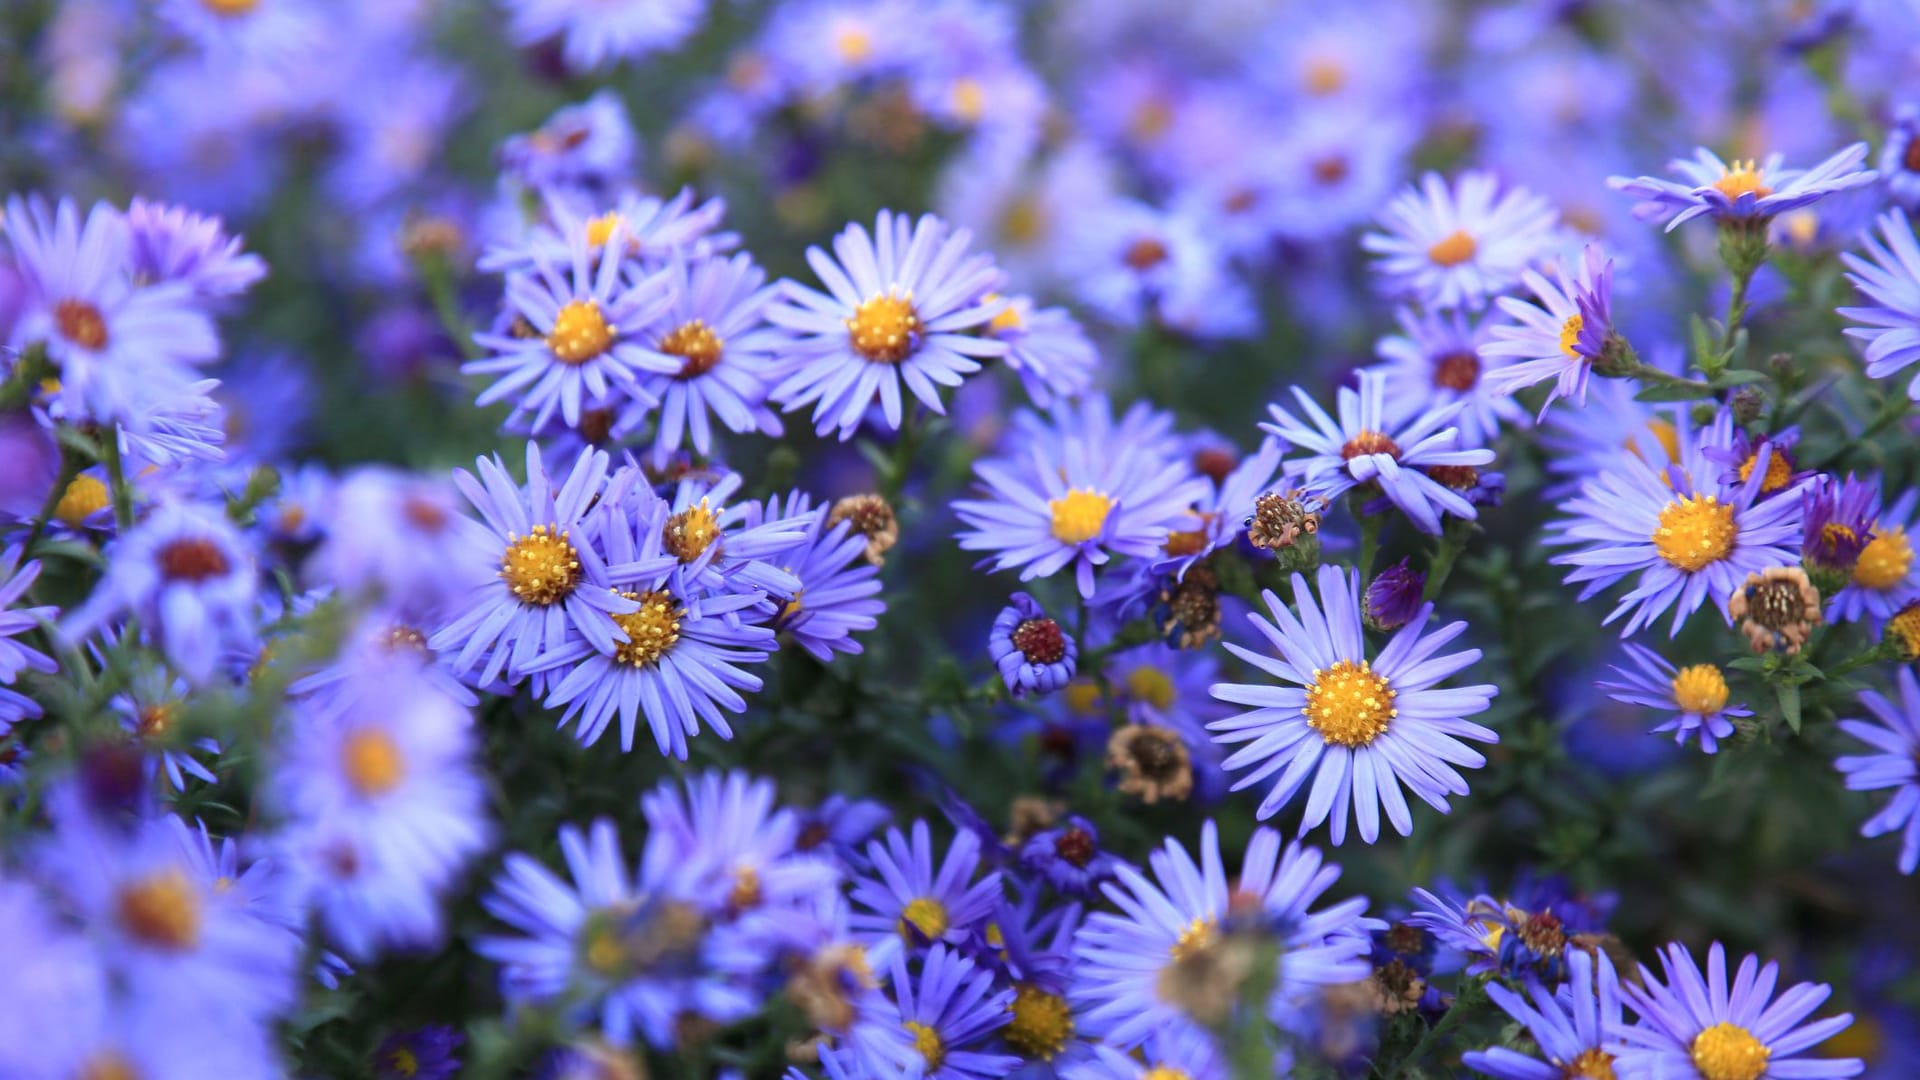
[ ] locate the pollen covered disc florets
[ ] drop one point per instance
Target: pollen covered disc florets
(1700, 689)
(1041, 1024)
(885, 328)
(688, 534)
(1743, 178)
(1729, 1052)
(541, 567)
(580, 333)
(651, 631)
(1369, 442)
(1079, 515)
(1695, 531)
(81, 323)
(695, 343)
(1454, 248)
(1350, 704)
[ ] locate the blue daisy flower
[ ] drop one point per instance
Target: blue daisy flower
(1440, 357)
(624, 952)
(1124, 956)
(1169, 1053)
(552, 582)
(593, 35)
(424, 1053)
(1577, 1035)
(736, 851)
(1888, 277)
(1701, 1028)
(1698, 692)
(906, 901)
(1895, 763)
(399, 539)
(1582, 443)
(1068, 857)
(120, 349)
(1222, 513)
(1688, 532)
(1032, 652)
(1524, 933)
(574, 338)
(899, 306)
(839, 825)
(1741, 190)
(839, 589)
(1900, 157)
(148, 709)
(246, 30)
(383, 808)
(735, 549)
(1366, 447)
(949, 1011)
(1133, 264)
(255, 885)
(16, 578)
(1047, 348)
(190, 577)
(1361, 728)
(652, 231)
(589, 147)
(1886, 577)
(1456, 246)
(174, 244)
(1078, 492)
(714, 333)
(683, 647)
(1561, 334)
(1837, 518)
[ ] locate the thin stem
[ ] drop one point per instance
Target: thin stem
(1452, 543)
(437, 274)
(117, 480)
(70, 466)
(1648, 373)
(1736, 307)
(1369, 544)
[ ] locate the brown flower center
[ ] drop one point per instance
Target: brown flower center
(193, 559)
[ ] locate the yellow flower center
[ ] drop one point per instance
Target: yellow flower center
(1324, 75)
(884, 328)
(1700, 689)
(162, 909)
(1729, 1052)
(688, 534)
(853, 43)
(696, 344)
(1007, 321)
(1349, 704)
(1151, 119)
(1199, 934)
(1082, 697)
(404, 1062)
(372, 761)
(1370, 442)
(1885, 560)
(1024, 221)
(927, 1042)
(1904, 628)
(1079, 515)
(1667, 435)
(580, 333)
(1041, 1023)
(156, 720)
(230, 8)
(651, 631)
(1695, 531)
(925, 914)
(84, 497)
(1150, 685)
(1779, 471)
(1742, 178)
(746, 889)
(1164, 1072)
(1453, 249)
(541, 567)
(969, 100)
(601, 229)
(1570, 335)
(1595, 1064)
(108, 1066)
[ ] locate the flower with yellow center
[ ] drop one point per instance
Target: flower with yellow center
(1700, 689)
(927, 1042)
(1695, 531)
(107, 1065)
(1903, 630)
(698, 347)
(542, 568)
(925, 914)
(1164, 1072)
(1079, 515)
(580, 333)
(1885, 561)
(1742, 178)
(1594, 1064)
(84, 497)
(601, 229)
(651, 631)
(885, 328)
(1199, 934)
(1350, 704)
(372, 762)
(1454, 248)
(688, 534)
(1151, 685)
(1041, 1023)
(1729, 1052)
(161, 910)
(231, 9)
(1779, 471)
(1570, 335)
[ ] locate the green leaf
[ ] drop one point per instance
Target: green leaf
(1790, 704)
(1740, 377)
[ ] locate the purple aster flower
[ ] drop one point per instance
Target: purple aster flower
(1578, 1034)
(424, 1053)
(949, 1011)
(1451, 247)
(1068, 856)
(1441, 357)
(586, 146)
(626, 954)
(1888, 277)
(1688, 533)
(1561, 334)
(1886, 577)
(1135, 264)
(292, 517)
(839, 825)
(254, 885)
(1741, 190)
(148, 710)
(730, 549)
(1738, 452)
(653, 231)
(721, 351)
(381, 639)
(1078, 493)
(585, 340)
(1701, 1028)
(189, 576)
(1697, 692)
(231, 30)
(1123, 957)
(907, 902)
(1034, 653)
(683, 645)
(839, 589)
(595, 35)
(1219, 517)
(736, 854)
(172, 243)
(398, 538)
(1361, 728)
(1524, 933)
(1894, 763)
(1363, 447)
(1171, 1052)
(1047, 348)
(1900, 158)
(553, 581)
(120, 349)
(391, 132)
(15, 657)
(383, 807)
(1836, 521)
(1393, 597)
(899, 304)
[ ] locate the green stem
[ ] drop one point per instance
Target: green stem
(117, 480)
(1880, 653)
(1369, 543)
(1452, 542)
(1646, 372)
(436, 273)
(70, 466)
(900, 462)
(1736, 307)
